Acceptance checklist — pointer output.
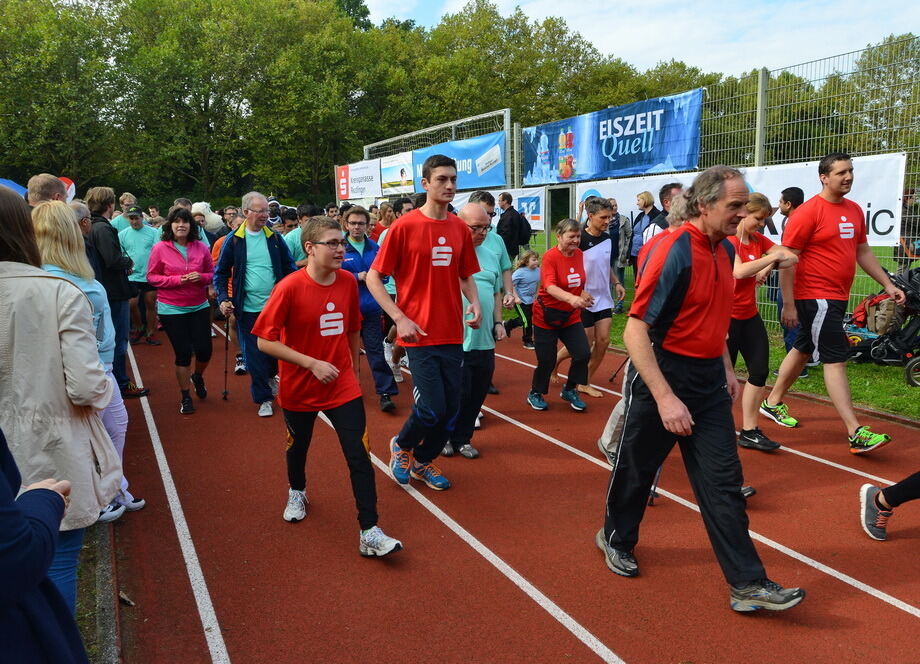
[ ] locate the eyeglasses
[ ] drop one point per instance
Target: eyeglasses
(332, 244)
(479, 229)
(254, 211)
(492, 213)
(356, 223)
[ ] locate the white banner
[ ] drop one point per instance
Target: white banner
(358, 180)
(878, 183)
(530, 202)
(396, 174)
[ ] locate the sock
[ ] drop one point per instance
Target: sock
(879, 505)
(185, 394)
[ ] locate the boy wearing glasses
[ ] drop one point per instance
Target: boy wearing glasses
(430, 253)
(360, 252)
(311, 324)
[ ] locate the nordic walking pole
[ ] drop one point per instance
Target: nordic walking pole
(654, 492)
(226, 354)
(614, 374)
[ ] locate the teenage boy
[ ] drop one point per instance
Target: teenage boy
(430, 253)
(312, 323)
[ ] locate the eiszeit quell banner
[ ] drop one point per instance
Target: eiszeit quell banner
(480, 161)
(358, 180)
(878, 181)
(529, 202)
(653, 136)
(396, 174)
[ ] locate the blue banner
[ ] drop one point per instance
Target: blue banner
(652, 136)
(480, 161)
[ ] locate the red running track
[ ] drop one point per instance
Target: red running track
(502, 567)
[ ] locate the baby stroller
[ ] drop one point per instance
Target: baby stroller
(887, 334)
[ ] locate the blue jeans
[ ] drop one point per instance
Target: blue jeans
(437, 376)
(262, 368)
(63, 570)
(121, 319)
(372, 336)
(789, 333)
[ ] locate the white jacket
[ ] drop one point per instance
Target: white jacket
(51, 386)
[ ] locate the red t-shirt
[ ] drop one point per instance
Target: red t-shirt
(427, 257)
(685, 294)
(566, 272)
(745, 303)
(314, 320)
(827, 235)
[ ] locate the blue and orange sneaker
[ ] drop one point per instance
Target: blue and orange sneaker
(400, 460)
(430, 475)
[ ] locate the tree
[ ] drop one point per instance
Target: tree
(358, 12)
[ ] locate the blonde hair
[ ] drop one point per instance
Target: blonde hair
(757, 202)
(645, 198)
(524, 258)
(59, 239)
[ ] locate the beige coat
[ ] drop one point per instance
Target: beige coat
(51, 386)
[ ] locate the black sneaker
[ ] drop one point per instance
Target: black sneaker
(754, 439)
(620, 562)
(492, 389)
(747, 491)
(200, 389)
(240, 368)
(186, 407)
(386, 403)
(764, 594)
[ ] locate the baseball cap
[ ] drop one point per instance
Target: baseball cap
(134, 211)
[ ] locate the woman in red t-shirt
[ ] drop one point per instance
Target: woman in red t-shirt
(755, 257)
(557, 317)
(312, 323)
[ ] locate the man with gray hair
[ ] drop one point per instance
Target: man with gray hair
(256, 258)
(680, 385)
(45, 187)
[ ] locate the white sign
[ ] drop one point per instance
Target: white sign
(359, 180)
(878, 182)
(530, 202)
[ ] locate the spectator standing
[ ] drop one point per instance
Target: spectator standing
(660, 222)
(154, 220)
(45, 187)
(125, 201)
(513, 227)
(647, 212)
(137, 242)
(789, 201)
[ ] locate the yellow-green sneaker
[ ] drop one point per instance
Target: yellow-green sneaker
(778, 413)
(866, 441)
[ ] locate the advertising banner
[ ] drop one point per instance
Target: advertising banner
(529, 202)
(480, 161)
(878, 181)
(652, 136)
(358, 180)
(396, 174)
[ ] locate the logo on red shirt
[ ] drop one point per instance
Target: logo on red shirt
(573, 279)
(847, 229)
(441, 255)
(332, 323)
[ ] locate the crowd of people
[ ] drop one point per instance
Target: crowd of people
(417, 289)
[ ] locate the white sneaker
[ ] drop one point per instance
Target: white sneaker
(478, 423)
(404, 361)
(132, 505)
(375, 542)
(273, 384)
(265, 410)
(112, 512)
(397, 373)
(296, 508)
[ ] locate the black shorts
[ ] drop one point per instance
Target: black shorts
(821, 330)
(589, 318)
(144, 287)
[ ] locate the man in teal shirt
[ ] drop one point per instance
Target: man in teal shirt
(478, 344)
(137, 241)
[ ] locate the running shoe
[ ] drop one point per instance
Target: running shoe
(240, 368)
(536, 401)
(448, 450)
(528, 345)
(754, 439)
(747, 491)
(132, 505)
(186, 407)
(132, 391)
(778, 413)
(265, 409)
(872, 519)
(386, 403)
(764, 594)
(112, 512)
(200, 389)
(400, 460)
(493, 389)
(610, 456)
(619, 561)
(574, 400)
(373, 542)
(135, 337)
(865, 441)
(478, 423)
(430, 475)
(404, 361)
(150, 341)
(468, 451)
(296, 508)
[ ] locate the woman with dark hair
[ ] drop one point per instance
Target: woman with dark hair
(181, 268)
(52, 386)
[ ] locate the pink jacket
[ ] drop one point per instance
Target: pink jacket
(166, 267)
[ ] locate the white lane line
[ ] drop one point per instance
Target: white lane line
(212, 632)
(509, 572)
(811, 457)
(811, 562)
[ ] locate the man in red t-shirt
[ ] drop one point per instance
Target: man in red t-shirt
(828, 234)
(680, 385)
(430, 253)
(312, 322)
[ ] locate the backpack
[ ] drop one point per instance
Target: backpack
(877, 313)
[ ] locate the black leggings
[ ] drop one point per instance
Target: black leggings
(576, 342)
(189, 334)
(907, 489)
(349, 423)
(749, 337)
(524, 319)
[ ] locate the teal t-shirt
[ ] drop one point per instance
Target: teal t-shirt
(138, 244)
(171, 309)
(293, 242)
(357, 245)
(488, 282)
(497, 246)
(121, 223)
(260, 277)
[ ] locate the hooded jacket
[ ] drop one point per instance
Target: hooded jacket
(232, 261)
(166, 267)
(113, 265)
